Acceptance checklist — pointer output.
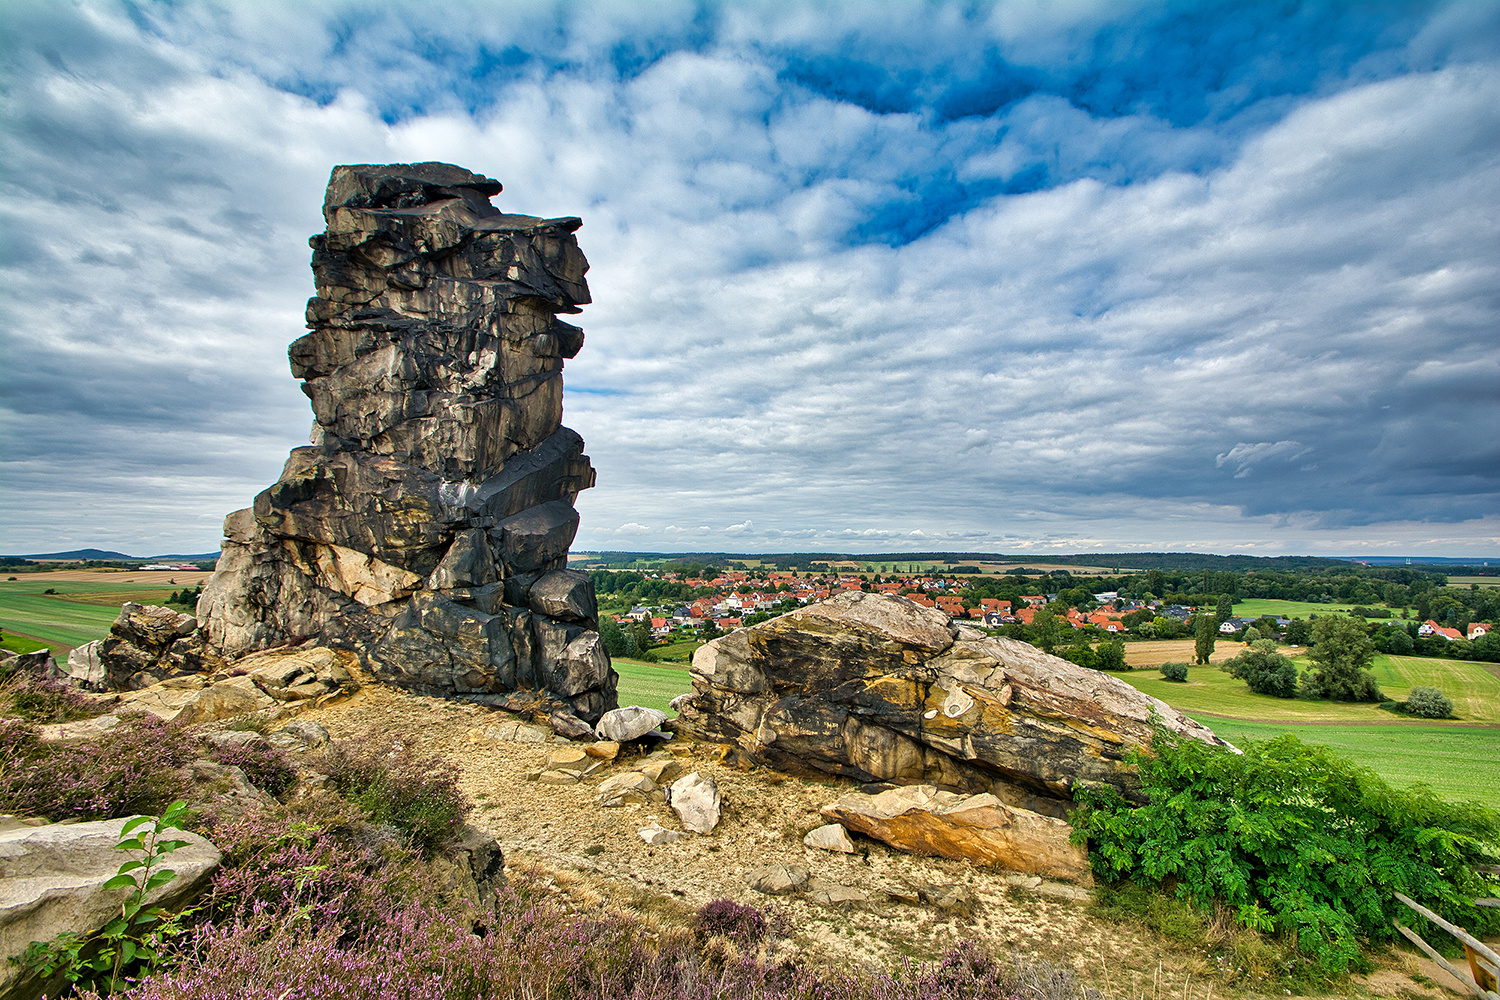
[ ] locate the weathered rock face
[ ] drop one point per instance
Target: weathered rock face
(148, 643)
(428, 524)
(876, 688)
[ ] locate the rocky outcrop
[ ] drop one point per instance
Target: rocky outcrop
(876, 688)
(427, 526)
(53, 881)
(921, 819)
(146, 644)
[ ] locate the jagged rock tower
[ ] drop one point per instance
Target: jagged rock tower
(427, 526)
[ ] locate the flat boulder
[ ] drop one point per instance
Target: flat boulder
(921, 819)
(54, 879)
(696, 801)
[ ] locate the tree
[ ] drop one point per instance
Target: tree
(1298, 632)
(1225, 610)
(1111, 655)
(1205, 632)
(1341, 655)
(1394, 640)
(1265, 670)
(612, 634)
(1046, 629)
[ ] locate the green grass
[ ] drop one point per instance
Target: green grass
(1256, 606)
(20, 644)
(1457, 761)
(651, 685)
(677, 652)
(1483, 581)
(78, 613)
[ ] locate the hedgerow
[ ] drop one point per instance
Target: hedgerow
(1294, 840)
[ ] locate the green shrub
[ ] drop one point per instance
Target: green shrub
(1428, 703)
(393, 784)
(1293, 840)
(1265, 670)
(1174, 671)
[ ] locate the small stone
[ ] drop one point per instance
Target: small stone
(603, 750)
(632, 722)
(661, 771)
(550, 777)
(833, 894)
(831, 837)
(778, 880)
(950, 898)
(656, 836)
(696, 801)
(529, 734)
(632, 786)
(567, 759)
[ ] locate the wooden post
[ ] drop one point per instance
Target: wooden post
(1484, 964)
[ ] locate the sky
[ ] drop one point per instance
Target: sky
(1013, 277)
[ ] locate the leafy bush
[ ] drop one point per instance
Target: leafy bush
(1428, 703)
(1265, 670)
(37, 699)
(392, 784)
(1295, 840)
(264, 764)
(1174, 671)
(129, 769)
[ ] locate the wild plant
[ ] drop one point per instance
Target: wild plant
(131, 942)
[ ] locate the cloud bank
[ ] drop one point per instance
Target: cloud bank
(1003, 277)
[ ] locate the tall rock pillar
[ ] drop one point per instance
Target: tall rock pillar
(427, 526)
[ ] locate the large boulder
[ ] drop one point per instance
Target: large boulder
(147, 643)
(427, 526)
(52, 880)
(921, 819)
(876, 688)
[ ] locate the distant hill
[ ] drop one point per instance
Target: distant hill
(101, 555)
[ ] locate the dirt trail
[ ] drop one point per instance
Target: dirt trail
(596, 857)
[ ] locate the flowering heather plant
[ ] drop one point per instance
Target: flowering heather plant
(726, 918)
(129, 769)
(43, 701)
(307, 869)
(265, 764)
(393, 784)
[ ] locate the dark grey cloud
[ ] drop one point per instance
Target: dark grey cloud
(1044, 298)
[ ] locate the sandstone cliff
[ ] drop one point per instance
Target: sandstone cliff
(427, 525)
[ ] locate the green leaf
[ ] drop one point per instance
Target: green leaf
(168, 846)
(127, 951)
(160, 878)
(120, 882)
(133, 824)
(130, 866)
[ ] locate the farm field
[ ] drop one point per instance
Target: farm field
(651, 685)
(79, 612)
(1477, 581)
(1459, 762)
(1254, 607)
(1473, 688)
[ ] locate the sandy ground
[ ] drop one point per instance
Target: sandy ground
(596, 857)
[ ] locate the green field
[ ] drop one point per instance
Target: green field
(1473, 687)
(1458, 759)
(1478, 581)
(1254, 607)
(76, 614)
(1459, 762)
(651, 685)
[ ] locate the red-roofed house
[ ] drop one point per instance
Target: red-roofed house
(1477, 629)
(1430, 627)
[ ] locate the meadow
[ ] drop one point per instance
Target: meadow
(1458, 759)
(1254, 607)
(651, 685)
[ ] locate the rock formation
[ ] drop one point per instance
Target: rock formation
(878, 689)
(427, 526)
